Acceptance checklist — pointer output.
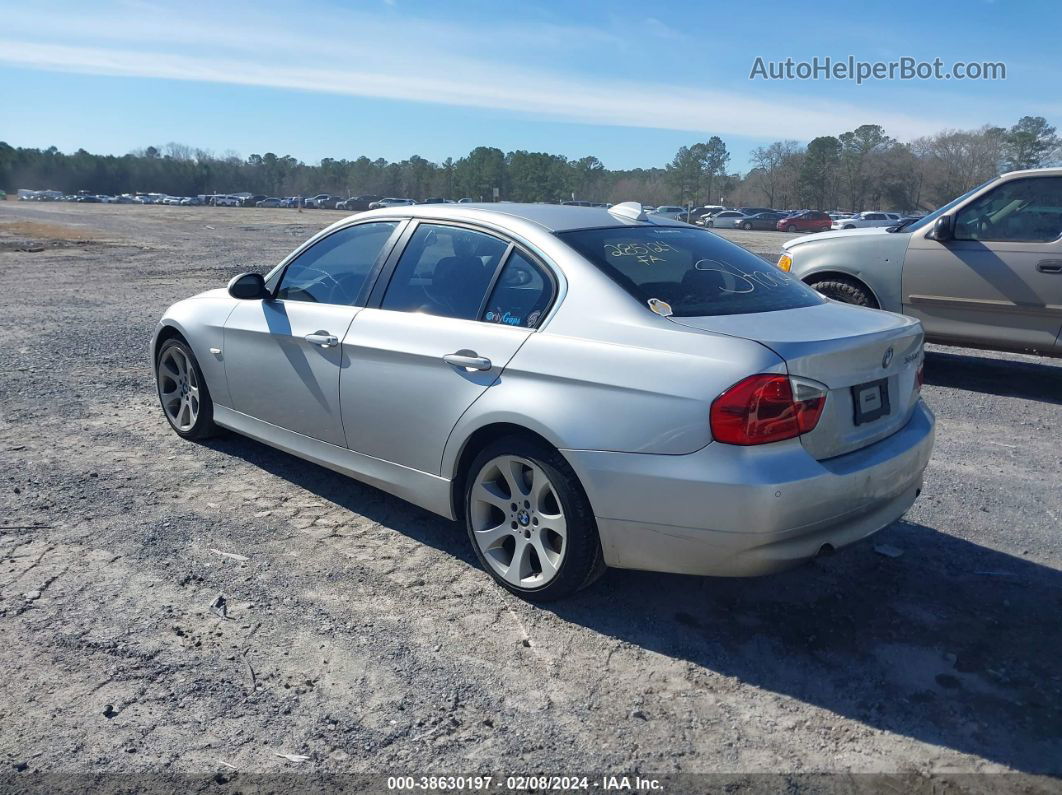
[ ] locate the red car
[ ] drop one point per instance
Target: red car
(807, 221)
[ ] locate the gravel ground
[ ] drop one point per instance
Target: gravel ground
(361, 634)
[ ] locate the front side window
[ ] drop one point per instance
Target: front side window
(1022, 210)
(521, 294)
(334, 270)
(444, 270)
(695, 272)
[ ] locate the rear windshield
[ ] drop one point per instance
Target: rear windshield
(694, 271)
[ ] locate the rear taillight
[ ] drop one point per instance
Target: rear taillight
(767, 408)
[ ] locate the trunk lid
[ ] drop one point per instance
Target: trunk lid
(842, 347)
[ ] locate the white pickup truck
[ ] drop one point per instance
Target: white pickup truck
(867, 219)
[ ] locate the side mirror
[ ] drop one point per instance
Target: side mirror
(944, 228)
(248, 287)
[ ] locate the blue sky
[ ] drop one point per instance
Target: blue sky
(629, 82)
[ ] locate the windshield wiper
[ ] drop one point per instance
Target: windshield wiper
(900, 226)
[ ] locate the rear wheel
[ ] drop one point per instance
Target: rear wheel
(183, 391)
(530, 522)
(848, 291)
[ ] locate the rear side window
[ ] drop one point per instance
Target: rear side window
(521, 294)
(695, 272)
(444, 270)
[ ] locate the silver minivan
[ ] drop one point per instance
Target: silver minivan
(984, 270)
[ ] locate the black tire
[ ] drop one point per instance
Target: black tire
(583, 562)
(847, 291)
(203, 427)
(746, 226)
(790, 228)
(848, 226)
(709, 224)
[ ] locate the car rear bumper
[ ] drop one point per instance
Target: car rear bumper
(745, 511)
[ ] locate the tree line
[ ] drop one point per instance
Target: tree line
(865, 168)
(855, 170)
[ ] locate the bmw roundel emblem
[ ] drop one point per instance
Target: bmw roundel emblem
(886, 360)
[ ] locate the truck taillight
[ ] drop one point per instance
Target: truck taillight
(767, 408)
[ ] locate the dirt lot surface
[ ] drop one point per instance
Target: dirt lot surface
(361, 634)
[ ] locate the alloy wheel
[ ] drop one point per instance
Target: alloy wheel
(178, 388)
(518, 522)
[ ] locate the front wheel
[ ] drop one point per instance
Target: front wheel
(183, 391)
(746, 226)
(790, 228)
(529, 521)
(847, 291)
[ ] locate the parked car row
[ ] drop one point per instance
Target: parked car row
(711, 216)
(577, 203)
(749, 218)
(85, 197)
(321, 201)
(327, 201)
(769, 218)
(867, 219)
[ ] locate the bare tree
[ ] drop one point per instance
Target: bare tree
(958, 160)
(176, 151)
(774, 167)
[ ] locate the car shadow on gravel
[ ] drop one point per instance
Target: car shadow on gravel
(952, 643)
(352, 495)
(1004, 377)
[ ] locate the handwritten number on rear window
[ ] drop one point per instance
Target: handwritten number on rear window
(736, 280)
(644, 253)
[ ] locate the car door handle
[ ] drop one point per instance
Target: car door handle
(470, 360)
(1049, 266)
(323, 339)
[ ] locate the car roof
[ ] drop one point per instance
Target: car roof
(1034, 172)
(552, 217)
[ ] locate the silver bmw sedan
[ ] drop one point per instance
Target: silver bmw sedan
(581, 387)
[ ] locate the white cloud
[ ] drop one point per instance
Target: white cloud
(415, 60)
